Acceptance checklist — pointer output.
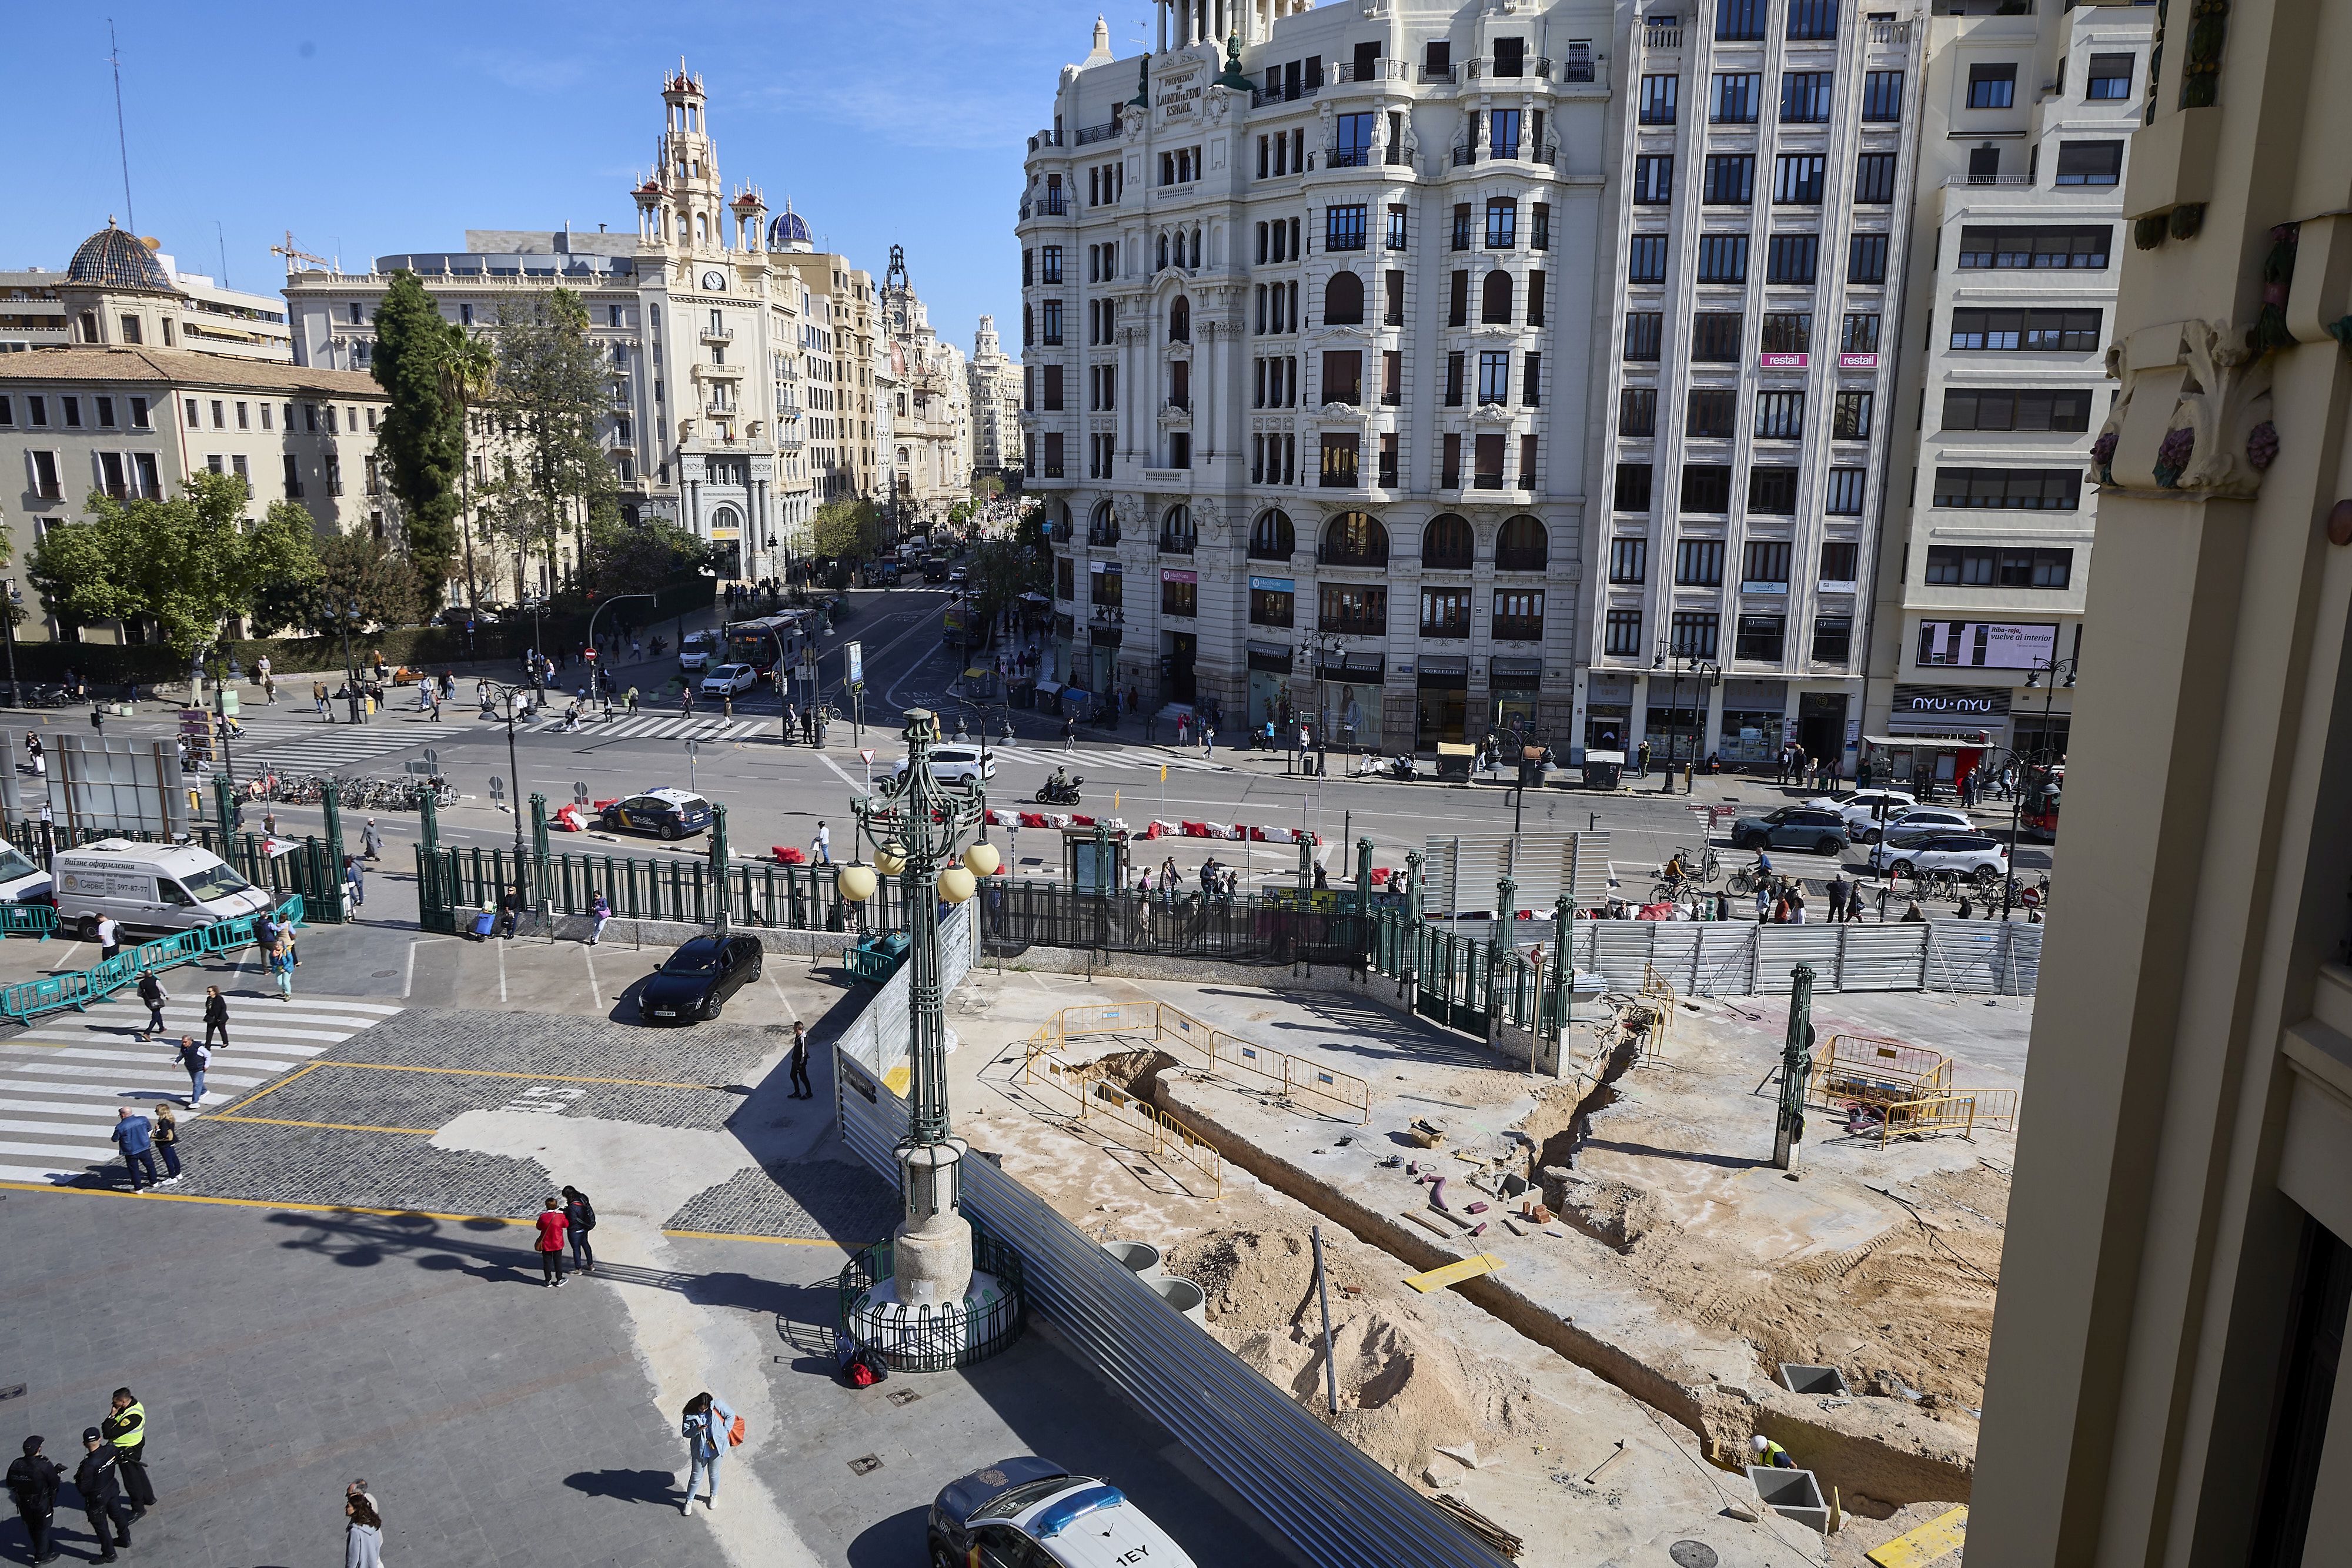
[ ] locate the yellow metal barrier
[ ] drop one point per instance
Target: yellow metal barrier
(1661, 992)
(1297, 1077)
(1879, 1072)
(1137, 1124)
(1958, 1112)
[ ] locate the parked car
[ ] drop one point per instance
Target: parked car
(1919, 818)
(670, 813)
(1816, 828)
(731, 681)
(695, 982)
(694, 652)
(955, 763)
(1979, 855)
(150, 886)
(1866, 812)
(22, 881)
(1029, 1512)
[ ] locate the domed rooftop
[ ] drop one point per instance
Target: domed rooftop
(789, 228)
(114, 258)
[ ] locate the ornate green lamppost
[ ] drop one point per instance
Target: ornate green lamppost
(922, 829)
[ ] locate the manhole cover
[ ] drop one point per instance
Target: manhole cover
(868, 1464)
(902, 1396)
(385, 974)
(1692, 1555)
(14, 1391)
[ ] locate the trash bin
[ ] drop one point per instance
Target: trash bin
(1602, 769)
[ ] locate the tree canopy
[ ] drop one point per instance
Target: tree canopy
(188, 563)
(847, 529)
(423, 437)
(351, 571)
(549, 394)
(621, 559)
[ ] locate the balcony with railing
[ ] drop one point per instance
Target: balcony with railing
(1044, 138)
(712, 334)
(1447, 75)
(1662, 33)
(1886, 31)
(1519, 628)
(1091, 134)
(1348, 158)
(1051, 204)
(1102, 535)
(1286, 93)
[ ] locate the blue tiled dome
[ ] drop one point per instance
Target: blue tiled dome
(112, 258)
(788, 227)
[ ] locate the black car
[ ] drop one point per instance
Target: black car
(698, 978)
(1817, 828)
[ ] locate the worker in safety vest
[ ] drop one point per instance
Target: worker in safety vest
(125, 1431)
(1768, 1452)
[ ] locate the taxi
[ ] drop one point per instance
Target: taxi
(668, 813)
(1029, 1512)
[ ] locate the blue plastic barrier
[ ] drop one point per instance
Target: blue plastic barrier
(28, 999)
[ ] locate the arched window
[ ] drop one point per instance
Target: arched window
(1354, 538)
(1163, 250)
(1447, 544)
(1102, 525)
(1271, 538)
(1028, 325)
(1494, 298)
(1343, 300)
(1524, 544)
(1196, 248)
(1176, 532)
(1180, 321)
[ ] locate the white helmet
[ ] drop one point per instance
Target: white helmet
(1758, 1443)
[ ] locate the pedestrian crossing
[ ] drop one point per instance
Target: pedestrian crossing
(62, 1080)
(319, 748)
(660, 726)
(1120, 757)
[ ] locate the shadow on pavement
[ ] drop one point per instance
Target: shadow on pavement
(627, 1486)
(895, 1542)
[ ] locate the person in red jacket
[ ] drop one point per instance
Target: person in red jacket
(552, 1225)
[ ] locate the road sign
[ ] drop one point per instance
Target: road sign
(498, 788)
(856, 663)
(692, 746)
(579, 792)
(433, 756)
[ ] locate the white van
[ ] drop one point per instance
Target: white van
(159, 887)
(21, 881)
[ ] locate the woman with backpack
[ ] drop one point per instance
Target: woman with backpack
(709, 1428)
(578, 1220)
(152, 994)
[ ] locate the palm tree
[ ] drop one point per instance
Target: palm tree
(468, 367)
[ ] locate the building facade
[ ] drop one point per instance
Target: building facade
(2167, 1381)
(1762, 165)
(706, 326)
(135, 305)
(994, 394)
(926, 412)
(1303, 332)
(2017, 244)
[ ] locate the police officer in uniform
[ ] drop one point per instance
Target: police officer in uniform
(125, 1431)
(101, 1494)
(33, 1488)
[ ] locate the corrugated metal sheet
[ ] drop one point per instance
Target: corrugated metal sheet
(1880, 957)
(1781, 948)
(1731, 958)
(1461, 871)
(1727, 960)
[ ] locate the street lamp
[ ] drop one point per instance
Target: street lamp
(601, 673)
(919, 826)
(345, 615)
(1704, 673)
(2060, 671)
(502, 692)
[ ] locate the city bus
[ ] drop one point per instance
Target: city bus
(760, 643)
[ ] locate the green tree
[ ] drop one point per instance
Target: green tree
(549, 398)
(188, 563)
(1003, 570)
(847, 529)
(423, 436)
(388, 589)
(467, 367)
(625, 559)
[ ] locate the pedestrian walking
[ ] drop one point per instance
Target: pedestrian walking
(578, 1220)
(110, 937)
(709, 1429)
(552, 1225)
(151, 993)
(33, 1481)
(1069, 734)
(371, 841)
(363, 1535)
(632, 702)
(601, 911)
(1836, 890)
(355, 872)
(801, 1089)
(135, 1135)
(281, 965)
(216, 1017)
(167, 1142)
(1208, 739)
(1763, 902)
(125, 1430)
(686, 703)
(101, 1495)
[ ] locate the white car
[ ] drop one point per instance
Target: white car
(731, 681)
(1920, 817)
(1028, 1512)
(1862, 809)
(1978, 855)
(694, 652)
(955, 763)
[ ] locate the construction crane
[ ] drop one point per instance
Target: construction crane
(292, 255)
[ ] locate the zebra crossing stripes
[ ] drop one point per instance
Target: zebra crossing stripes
(326, 748)
(1109, 756)
(659, 728)
(62, 1079)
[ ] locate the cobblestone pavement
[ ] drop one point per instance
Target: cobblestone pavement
(800, 1198)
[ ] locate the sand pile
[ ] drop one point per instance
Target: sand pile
(1406, 1391)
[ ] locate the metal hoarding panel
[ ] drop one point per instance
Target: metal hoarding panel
(1461, 871)
(1726, 959)
(1781, 948)
(1962, 954)
(1882, 957)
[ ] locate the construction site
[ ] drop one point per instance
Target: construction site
(1565, 1308)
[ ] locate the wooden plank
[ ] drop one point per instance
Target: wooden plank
(1455, 1273)
(1940, 1536)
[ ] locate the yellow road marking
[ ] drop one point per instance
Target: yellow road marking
(273, 1089)
(323, 1126)
(1944, 1533)
(485, 1072)
(1455, 1273)
(260, 1203)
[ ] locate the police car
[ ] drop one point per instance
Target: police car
(1029, 1512)
(671, 813)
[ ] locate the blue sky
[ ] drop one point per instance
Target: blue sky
(371, 130)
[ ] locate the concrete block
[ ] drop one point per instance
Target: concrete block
(1799, 1378)
(1791, 1494)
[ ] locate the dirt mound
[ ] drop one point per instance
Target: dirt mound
(1608, 1210)
(1406, 1390)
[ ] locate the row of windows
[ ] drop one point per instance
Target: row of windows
(1698, 563)
(103, 410)
(1780, 415)
(2028, 331)
(1729, 179)
(1738, 21)
(1968, 566)
(2009, 489)
(1762, 639)
(2069, 245)
(1771, 489)
(1715, 335)
(1993, 85)
(1363, 610)
(1734, 98)
(2001, 408)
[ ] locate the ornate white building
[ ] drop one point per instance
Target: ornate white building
(928, 411)
(1305, 335)
(715, 321)
(994, 396)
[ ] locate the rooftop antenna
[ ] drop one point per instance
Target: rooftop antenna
(121, 138)
(222, 237)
